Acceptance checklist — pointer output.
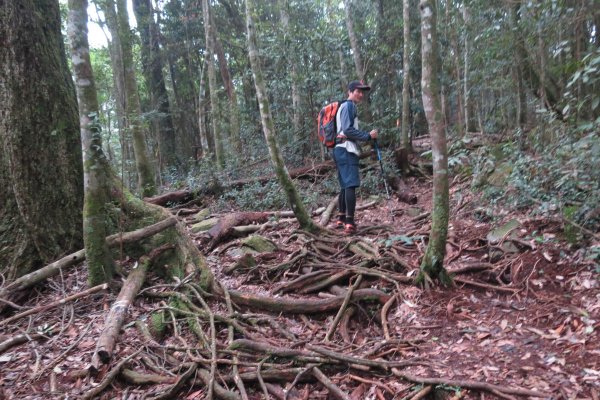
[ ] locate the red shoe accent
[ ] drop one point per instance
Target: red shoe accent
(350, 229)
(339, 224)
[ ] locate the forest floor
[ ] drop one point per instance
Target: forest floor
(524, 314)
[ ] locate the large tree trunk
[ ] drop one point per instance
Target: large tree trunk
(118, 24)
(41, 189)
(432, 265)
(152, 63)
(212, 87)
(269, 129)
(95, 165)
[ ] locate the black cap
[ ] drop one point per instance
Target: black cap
(352, 86)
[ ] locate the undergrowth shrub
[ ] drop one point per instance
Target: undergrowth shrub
(559, 178)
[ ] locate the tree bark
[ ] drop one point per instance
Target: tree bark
(460, 123)
(95, 165)
(356, 53)
(212, 87)
(405, 134)
(467, 103)
(118, 24)
(41, 187)
(118, 311)
(269, 128)
(152, 63)
(432, 265)
(518, 68)
(234, 110)
(284, 17)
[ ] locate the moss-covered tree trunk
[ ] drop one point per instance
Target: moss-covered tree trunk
(96, 180)
(432, 265)
(152, 64)
(118, 24)
(269, 128)
(212, 87)
(41, 188)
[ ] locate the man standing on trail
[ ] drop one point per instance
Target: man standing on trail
(346, 152)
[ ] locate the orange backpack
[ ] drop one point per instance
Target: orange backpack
(327, 125)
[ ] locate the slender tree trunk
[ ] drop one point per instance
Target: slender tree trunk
(152, 62)
(518, 68)
(358, 64)
(291, 62)
(460, 117)
(118, 24)
(343, 74)
(202, 113)
(405, 136)
(467, 102)
(234, 109)
(95, 164)
(361, 72)
(432, 265)
(41, 188)
(269, 128)
(212, 87)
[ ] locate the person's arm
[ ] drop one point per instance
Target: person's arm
(347, 116)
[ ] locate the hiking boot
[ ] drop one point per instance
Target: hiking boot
(341, 221)
(350, 229)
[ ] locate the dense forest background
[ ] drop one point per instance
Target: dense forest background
(148, 250)
(525, 72)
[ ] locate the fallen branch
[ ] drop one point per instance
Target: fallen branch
(57, 303)
(334, 390)
(118, 311)
(328, 211)
(347, 298)
(225, 227)
(53, 269)
(94, 392)
(145, 379)
(17, 340)
(486, 286)
(170, 197)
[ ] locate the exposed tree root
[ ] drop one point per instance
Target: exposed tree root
(301, 306)
(470, 384)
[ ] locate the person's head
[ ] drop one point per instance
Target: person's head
(357, 91)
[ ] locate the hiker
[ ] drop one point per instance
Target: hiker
(346, 152)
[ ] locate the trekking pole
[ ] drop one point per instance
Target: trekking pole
(387, 192)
